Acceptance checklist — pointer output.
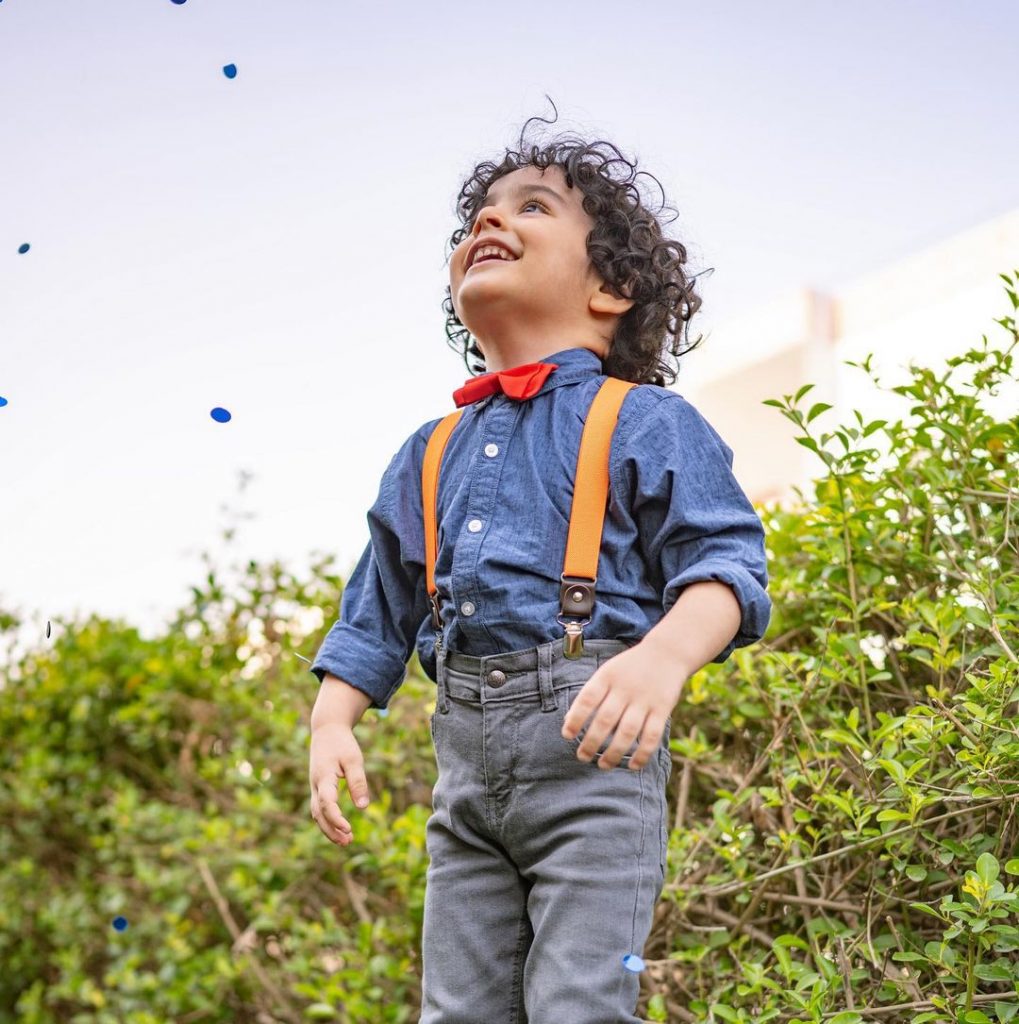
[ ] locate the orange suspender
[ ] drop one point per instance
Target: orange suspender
(587, 512)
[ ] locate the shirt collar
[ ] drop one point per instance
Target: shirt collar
(573, 365)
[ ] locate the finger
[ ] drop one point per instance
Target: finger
(584, 705)
(330, 811)
(357, 784)
(604, 722)
(651, 738)
(626, 736)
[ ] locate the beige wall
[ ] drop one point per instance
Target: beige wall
(925, 308)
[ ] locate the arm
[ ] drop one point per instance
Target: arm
(702, 622)
(384, 601)
(340, 702)
(703, 543)
(695, 525)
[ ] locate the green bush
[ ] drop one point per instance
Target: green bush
(844, 836)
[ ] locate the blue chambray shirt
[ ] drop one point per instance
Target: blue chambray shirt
(675, 515)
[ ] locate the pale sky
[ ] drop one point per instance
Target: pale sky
(275, 243)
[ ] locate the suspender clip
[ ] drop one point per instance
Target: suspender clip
(576, 598)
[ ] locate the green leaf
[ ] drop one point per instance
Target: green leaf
(1012, 866)
(320, 1011)
(992, 972)
(890, 814)
(987, 868)
(719, 1010)
(817, 409)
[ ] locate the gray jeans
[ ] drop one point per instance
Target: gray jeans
(544, 870)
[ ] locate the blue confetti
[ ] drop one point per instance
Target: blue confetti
(120, 923)
(632, 962)
(220, 415)
(178, 2)
(3, 402)
(24, 248)
(383, 712)
(230, 70)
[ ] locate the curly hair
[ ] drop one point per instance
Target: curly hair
(626, 247)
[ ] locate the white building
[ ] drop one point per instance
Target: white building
(923, 309)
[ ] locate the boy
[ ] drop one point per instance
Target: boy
(546, 851)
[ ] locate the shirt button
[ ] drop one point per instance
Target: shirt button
(467, 608)
(474, 525)
(491, 450)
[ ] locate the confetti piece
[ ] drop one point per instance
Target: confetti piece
(120, 923)
(220, 415)
(3, 401)
(230, 70)
(24, 248)
(632, 962)
(178, 2)
(47, 628)
(383, 712)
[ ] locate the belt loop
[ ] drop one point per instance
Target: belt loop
(441, 701)
(545, 676)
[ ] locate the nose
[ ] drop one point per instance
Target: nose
(485, 217)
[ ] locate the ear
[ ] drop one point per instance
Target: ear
(607, 300)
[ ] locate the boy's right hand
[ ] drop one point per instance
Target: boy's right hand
(335, 754)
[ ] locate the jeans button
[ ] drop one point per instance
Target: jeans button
(496, 677)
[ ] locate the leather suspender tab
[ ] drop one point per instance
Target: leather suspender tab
(576, 595)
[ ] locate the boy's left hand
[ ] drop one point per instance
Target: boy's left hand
(633, 693)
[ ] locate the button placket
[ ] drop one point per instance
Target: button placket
(498, 423)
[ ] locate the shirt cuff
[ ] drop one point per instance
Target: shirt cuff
(358, 658)
(754, 603)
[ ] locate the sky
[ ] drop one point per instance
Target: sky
(275, 243)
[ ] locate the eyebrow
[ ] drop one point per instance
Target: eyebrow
(521, 189)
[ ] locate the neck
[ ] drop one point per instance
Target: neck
(498, 359)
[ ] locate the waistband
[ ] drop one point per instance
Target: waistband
(523, 674)
(527, 659)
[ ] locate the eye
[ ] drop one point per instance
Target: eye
(527, 202)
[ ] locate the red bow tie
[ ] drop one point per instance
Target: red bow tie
(518, 383)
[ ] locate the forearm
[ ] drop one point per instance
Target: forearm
(705, 617)
(338, 701)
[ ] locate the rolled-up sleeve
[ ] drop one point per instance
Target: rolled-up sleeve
(384, 601)
(694, 520)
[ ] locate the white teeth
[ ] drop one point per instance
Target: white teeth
(491, 250)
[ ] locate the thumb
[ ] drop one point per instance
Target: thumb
(359, 790)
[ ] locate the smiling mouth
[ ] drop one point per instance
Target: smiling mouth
(491, 259)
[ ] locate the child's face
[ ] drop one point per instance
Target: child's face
(546, 292)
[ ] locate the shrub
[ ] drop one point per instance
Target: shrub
(844, 836)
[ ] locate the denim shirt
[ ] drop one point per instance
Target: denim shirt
(675, 515)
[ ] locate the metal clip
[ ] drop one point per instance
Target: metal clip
(573, 641)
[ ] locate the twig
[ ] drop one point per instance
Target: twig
(728, 887)
(811, 901)
(847, 984)
(902, 949)
(729, 920)
(228, 919)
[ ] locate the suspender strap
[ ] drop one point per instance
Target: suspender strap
(429, 495)
(590, 495)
